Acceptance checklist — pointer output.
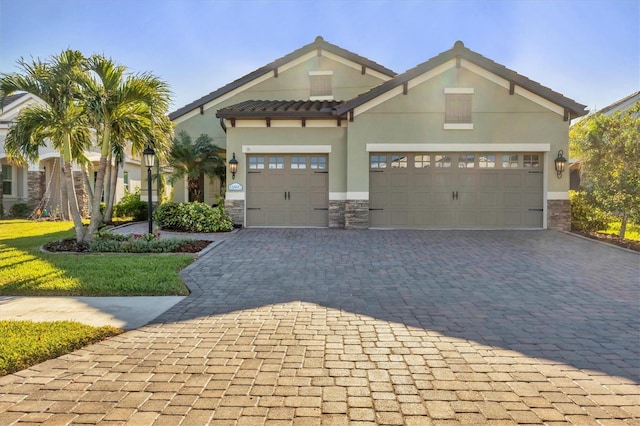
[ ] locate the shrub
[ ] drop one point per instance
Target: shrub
(20, 210)
(131, 206)
(105, 242)
(193, 217)
(585, 215)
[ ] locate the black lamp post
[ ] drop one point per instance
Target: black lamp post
(149, 156)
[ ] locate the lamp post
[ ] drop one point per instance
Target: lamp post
(560, 163)
(233, 166)
(149, 156)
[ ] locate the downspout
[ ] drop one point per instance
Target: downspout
(224, 127)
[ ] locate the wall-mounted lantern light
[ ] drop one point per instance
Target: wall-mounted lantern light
(561, 163)
(233, 166)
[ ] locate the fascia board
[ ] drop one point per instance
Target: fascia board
(354, 65)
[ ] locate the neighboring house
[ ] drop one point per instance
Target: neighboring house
(575, 164)
(325, 137)
(39, 184)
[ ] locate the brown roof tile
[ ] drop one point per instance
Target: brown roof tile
(280, 109)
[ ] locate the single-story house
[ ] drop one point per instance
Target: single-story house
(40, 185)
(325, 137)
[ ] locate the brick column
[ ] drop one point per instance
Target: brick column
(559, 215)
(356, 214)
(35, 187)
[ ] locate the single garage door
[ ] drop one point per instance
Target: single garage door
(287, 190)
(456, 190)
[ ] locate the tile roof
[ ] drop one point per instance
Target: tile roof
(280, 109)
(318, 43)
(460, 51)
(632, 98)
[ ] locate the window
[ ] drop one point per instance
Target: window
(487, 161)
(530, 161)
(276, 162)
(7, 179)
(298, 162)
(125, 178)
(466, 161)
(378, 162)
(422, 161)
(510, 160)
(319, 163)
(443, 160)
(256, 163)
(320, 83)
(398, 161)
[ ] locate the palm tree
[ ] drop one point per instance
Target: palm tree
(193, 160)
(60, 120)
(123, 108)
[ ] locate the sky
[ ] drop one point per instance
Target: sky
(588, 50)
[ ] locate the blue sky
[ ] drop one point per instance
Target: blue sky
(588, 50)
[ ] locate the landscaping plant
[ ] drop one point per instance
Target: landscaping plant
(192, 217)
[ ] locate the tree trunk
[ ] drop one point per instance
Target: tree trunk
(107, 186)
(623, 225)
(108, 211)
(96, 216)
(73, 201)
(64, 211)
(87, 182)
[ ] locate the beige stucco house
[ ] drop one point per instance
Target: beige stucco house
(39, 184)
(324, 137)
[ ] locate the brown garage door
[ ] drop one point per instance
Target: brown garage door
(288, 190)
(456, 190)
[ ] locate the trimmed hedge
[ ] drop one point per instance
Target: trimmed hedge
(105, 242)
(192, 217)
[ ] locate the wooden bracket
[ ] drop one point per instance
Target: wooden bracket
(233, 122)
(351, 116)
(275, 72)
(304, 122)
(512, 88)
(566, 115)
(268, 121)
(405, 88)
(364, 70)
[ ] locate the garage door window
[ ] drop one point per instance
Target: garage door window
(378, 162)
(276, 162)
(298, 162)
(510, 161)
(256, 163)
(466, 161)
(531, 161)
(398, 161)
(319, 163)
(487, 161)
(422, 161)
(443, 160)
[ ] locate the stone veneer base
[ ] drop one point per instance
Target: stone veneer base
(356, 214)
(559, 215)
(336, 213)
(235, 209)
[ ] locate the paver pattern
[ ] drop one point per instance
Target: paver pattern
(335, 327)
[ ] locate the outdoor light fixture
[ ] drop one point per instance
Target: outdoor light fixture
(149, 156)
(233, 166)
(560, 163)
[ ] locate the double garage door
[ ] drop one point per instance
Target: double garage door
(456, 190)
(287, 190)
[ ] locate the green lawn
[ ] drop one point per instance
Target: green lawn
(632, 232)
(25, 271)
(26, 343)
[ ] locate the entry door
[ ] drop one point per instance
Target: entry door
(287, 190)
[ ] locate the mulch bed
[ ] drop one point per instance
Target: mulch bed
(611, 239)
(71, 245)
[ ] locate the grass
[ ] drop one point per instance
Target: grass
(26, 343)
(632, 232)
(25, 271)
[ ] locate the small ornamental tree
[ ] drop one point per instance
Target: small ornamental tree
(610, 150)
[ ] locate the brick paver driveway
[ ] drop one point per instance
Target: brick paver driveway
(304, 326)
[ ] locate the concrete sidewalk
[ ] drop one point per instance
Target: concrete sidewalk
(126, 313)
